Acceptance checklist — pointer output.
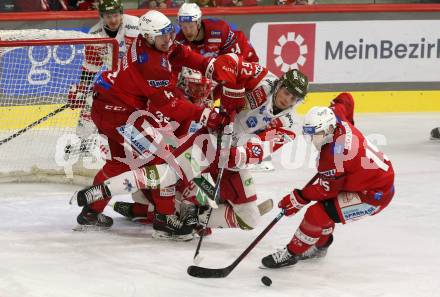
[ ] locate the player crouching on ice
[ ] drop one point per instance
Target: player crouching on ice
(355, 180)
(269, 103)
(267, 100)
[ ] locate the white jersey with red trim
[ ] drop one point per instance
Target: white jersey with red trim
(127, 33)
(258, 114)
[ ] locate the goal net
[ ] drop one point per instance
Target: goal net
(39, 71)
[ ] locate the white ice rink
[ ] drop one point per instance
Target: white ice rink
(396, 253)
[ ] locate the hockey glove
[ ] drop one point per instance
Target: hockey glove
(77, 96)
(232, 99)
(213, 120)
(292, 203)
(250, 153)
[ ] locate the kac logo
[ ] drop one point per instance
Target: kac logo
(252, 122)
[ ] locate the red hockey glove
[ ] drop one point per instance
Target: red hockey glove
(232, 99)
(213, 120)
(250, 153)
(292, 203)
(77, 96)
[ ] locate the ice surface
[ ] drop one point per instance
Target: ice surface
(395, 253)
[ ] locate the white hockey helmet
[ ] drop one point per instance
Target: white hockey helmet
(190, 12)
(319, 124)
(154, 23)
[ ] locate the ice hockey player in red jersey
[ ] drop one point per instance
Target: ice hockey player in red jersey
(143, 79)
(267, 102)
(211, 37)
(355, 180)
(198, 89)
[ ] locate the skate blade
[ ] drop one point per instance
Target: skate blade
(165, 236)
(188, 237)
(87, 228)
(141, 220)
(262, 169)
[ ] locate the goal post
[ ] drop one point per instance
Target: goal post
(39, 71)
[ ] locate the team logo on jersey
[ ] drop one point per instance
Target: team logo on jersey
(215, 33)
(142, 58)
(128, 185)
(291, 46)
(256, 97)
(328, 173)
(256, 150)
(252, 122)
(132, 27)
(158, 83)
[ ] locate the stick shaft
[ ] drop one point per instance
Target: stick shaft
(37, 122)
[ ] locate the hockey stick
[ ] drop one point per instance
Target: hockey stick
(263, 208)
(202, 272)
(37, 122)
(217, 186)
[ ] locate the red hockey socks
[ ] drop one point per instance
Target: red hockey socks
(315, 229)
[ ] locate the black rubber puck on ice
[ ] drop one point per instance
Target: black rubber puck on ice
(435, 134)
(267, 281)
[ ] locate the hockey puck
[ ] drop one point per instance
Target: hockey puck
(435, 134)
(266, 281)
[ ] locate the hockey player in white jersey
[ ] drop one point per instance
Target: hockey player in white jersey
(113, 24)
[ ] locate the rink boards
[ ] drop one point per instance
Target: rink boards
(17, 117)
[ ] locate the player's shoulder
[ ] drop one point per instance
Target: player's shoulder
(131, 25)
(153, 59)
(268, 81)
(347, 138)
(97, 29)
(215, 26)
(327, 158)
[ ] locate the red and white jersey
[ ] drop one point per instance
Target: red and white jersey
(259, 84)
(127, 33)
(350, 163)
(220, 39)
(243, 48)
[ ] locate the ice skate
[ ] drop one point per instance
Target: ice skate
(89, 220)
(281, 258)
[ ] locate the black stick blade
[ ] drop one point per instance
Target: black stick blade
(202, 272)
